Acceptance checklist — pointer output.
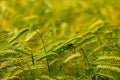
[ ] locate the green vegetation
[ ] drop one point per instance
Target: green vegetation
(59, 40)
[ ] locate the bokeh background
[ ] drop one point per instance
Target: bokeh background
(58, 17)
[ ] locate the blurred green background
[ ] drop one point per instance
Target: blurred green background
(57, 17)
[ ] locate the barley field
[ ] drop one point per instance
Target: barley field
(59, 40)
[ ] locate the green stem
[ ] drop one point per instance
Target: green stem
(101, 44)
(76, 63)
(85, 58)
(31, 55)
(48, 66)
(31, 73)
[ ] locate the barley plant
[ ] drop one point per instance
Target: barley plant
(59, 40)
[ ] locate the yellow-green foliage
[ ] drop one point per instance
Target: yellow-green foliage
(59, 40)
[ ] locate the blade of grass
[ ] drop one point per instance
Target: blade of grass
(48, 66)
